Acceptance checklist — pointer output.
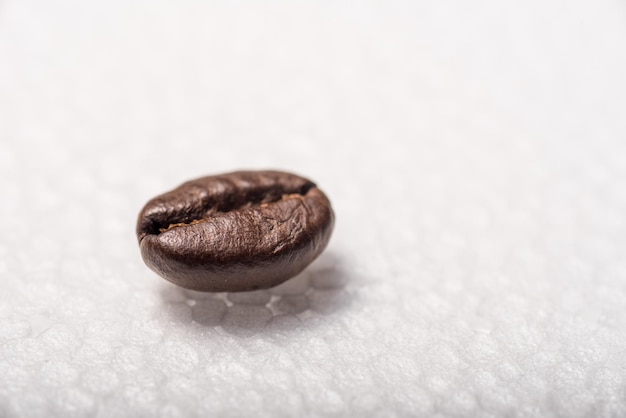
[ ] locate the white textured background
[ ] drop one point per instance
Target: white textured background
(475, 153)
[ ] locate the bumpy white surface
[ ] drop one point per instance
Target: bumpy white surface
(475, 153)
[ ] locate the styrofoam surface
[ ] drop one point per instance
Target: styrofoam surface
(475, 154)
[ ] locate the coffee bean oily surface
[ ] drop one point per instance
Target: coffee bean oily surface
(233, 232)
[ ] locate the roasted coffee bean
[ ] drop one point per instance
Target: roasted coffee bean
(237, 231)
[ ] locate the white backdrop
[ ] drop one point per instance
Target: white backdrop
(475, 154)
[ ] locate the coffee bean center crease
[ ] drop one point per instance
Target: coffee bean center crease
(245, 206)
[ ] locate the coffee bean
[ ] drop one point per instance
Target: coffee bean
(237, 231)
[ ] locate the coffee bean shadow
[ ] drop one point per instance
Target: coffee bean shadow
(319, 291)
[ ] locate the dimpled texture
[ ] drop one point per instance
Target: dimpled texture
(238, 231)
(474, 154)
